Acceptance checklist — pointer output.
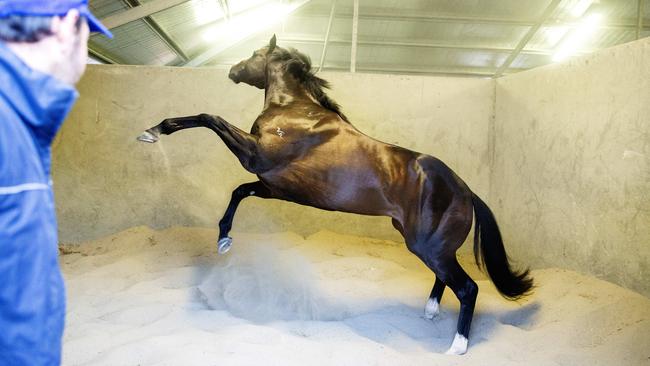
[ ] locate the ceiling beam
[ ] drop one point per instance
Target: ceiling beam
(384, 43)
(355, 34)
(101, 57)
(225, 8)
(639, 18)
(159, 31)
(373, 14)
(448, 46)
(327, 35)
(139, 12)
(391, 68)
(455, 71)
(166, 38)
(528, 36)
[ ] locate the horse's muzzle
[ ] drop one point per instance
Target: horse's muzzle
(235, 73)
(234, 76)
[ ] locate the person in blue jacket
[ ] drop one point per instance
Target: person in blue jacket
(43, 52)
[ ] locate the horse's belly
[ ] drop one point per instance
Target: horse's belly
(338, 188)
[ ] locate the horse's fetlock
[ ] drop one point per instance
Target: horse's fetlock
(240, 192)
(204, 117)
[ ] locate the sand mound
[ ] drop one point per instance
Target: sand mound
(145, 297)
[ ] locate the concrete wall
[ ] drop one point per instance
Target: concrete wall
(105, 181)
(571, 179)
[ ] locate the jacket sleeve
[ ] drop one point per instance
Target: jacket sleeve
(32, 301)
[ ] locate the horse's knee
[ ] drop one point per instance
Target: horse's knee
(206, 118)
(241, 192)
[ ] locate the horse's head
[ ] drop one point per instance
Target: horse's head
(252, 71)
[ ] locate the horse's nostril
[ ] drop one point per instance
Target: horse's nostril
(233, 77)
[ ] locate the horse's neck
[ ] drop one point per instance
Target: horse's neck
(282, 90)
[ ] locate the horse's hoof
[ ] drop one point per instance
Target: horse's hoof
(148, 137)
(431, 309)
(459, 346)
(224, 245)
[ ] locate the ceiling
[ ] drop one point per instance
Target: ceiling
(453, 37)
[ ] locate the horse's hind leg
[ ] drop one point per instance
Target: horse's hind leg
(438, 251)
(466, 291)
(449, 272)
(432, 307)
(257, 189)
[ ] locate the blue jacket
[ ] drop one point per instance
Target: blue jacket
(33, 106)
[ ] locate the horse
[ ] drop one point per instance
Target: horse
(303, 149)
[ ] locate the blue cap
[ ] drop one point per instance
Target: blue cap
(52, 8)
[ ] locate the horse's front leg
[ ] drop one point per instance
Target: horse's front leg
(169, 126)
(257, 189)
(242, 144)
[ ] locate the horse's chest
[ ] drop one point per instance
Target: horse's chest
(285, 139)
(278, 138)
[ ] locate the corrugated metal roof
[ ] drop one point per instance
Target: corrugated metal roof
(468, 37)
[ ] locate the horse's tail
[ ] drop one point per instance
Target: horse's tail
(490, 253)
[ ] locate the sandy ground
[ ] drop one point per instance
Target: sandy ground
(145, 297)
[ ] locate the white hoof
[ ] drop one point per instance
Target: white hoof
(148, 137)
(224, 245)
(459, 346)
(431, 309)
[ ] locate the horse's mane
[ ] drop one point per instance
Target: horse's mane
(299, 65)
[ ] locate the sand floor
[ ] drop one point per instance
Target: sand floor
(145, 297)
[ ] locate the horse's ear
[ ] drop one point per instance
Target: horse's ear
(272, 43)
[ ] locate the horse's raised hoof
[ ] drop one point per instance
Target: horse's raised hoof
(431, 309)
(459, 346)
(224, 244)
(148, 137)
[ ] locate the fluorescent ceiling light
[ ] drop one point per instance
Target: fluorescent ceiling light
(211, 34)
(206, 11)
(555, 34)
(580, 8)
(237, 6)
(576, 40)
(242, 25)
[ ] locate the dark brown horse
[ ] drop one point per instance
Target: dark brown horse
(304, 150)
